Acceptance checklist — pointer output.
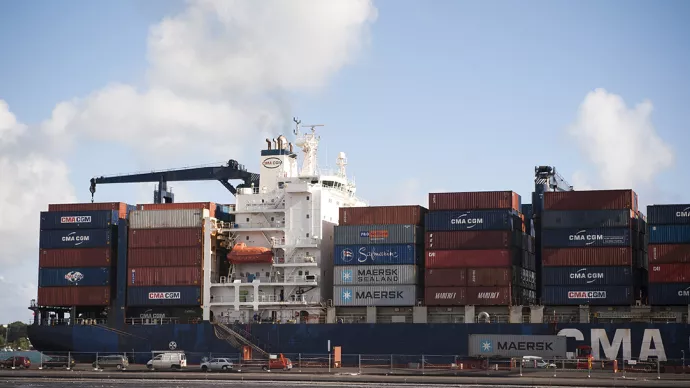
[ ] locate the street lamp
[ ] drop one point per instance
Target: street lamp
(7, 331)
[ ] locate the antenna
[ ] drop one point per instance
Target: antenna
(313, 129)
(297, 123)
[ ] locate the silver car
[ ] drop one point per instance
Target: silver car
(223, 364)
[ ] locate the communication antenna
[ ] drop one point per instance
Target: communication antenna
(297, 123)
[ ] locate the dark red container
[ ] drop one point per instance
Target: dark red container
(590, 200)
(121, 207)
(445, 296)
(477, 200)
(84, 257)
(211, 206)
(380, 215)
(73, 296)
(163, 276)
(470, 258)
(154, 238)
(445, 277)
(164, 257)
(489, 277)
(481, 239)
(669, 273)
(488, 296)
(587, 256)
(669, 253)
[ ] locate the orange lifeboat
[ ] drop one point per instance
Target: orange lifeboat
(241, 253)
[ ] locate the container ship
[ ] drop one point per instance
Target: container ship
(299, 263)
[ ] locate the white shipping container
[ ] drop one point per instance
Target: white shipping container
(375, 295)
(378, 275)
(158, 219)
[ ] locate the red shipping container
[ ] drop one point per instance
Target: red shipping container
(669, 273)
(445, 296)
(84, 257)
(489, 277)
(163, 276)
(211, 206)
(477, 200)
(73, 296)
(164, 257)
(471, 258)
(445, 277)
(587, 256)
(481, 239)
(154, 238)
(669, 253)
(121, 207)
(590, 200)
(488, 296)
(382, 215)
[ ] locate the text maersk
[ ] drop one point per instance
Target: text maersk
(527, 345)
(377, 275)
(379, 295)
(75, 220)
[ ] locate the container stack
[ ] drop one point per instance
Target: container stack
(378, 251)
(592, 248)
(669, 254)
(477, 251)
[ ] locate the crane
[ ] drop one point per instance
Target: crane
(225, 173)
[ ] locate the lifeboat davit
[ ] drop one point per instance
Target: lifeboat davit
(241, 253)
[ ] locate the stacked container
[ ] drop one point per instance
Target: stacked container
(591, 248)
(477, 252)
(378, 251)
(669, 254)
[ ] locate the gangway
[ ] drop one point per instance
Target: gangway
(238, 337)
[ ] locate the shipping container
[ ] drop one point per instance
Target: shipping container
(587, 257)
(445, 296)
(470, 220)
(84, 238)
(590, 200)
(376, 295)
(445, 277)
(669, 234)
(489, 277)
(594, 237)
(121, 207)
(165, 257)
(381, 275)
(669, 253)
(393, 254)
(528, 243)
(377, 215)
(478, 200)
(509, 345)
(669, 273)
(164, 238)
(584, 219)
(65, 258)
(669, 294)
(164, 296)
(668, 214)
(211, 206)
(527, 210)
(164, 276)
(489, 296)
(378, 234)
(488, 239)
(473, 258)
(98, 219)
(525, 278)
(73, 296)
(593, 276)
(75, 276)
(159, 219)
(587, 295)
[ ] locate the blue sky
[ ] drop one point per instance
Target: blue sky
(422, 96)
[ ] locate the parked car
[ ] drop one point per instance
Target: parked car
(16, 362)
(168, 360)
(223, 364)
(58, 362)
(118, 362)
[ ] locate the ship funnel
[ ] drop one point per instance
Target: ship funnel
(484, 316)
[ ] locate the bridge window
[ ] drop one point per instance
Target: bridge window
(307, 234)
(247, 238)
(300, 273)
(307, 197)
(307, 215)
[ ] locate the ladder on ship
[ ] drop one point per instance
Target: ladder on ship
(238, 337)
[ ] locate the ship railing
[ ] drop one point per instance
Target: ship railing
(161, 321)
(297, 299)
(257, 225)
(87, 321)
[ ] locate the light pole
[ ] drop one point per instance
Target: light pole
(7, 331)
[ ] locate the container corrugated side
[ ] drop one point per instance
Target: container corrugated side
(445, 296)
(489, 277)
(470, 220)
(668, 214)
(478, 200)
(473, 258)
(83, 238)
(211, 206)
(588, 256)
(373, 215)
(164, 296)
(669, 273)
(393, 254)
(669, 253)
(488, 239)
(73, 296)
(378, 234)
(164, 276)
(591, 295)
(121, 207)
(175, 218)
(669, 234)
(375, 295)
(65, 258)
(98, 219)
(165, 257)
(593, 237)
(583, 219)
(489, 296)
(75, 276)
(590, 200)
(445, 277)
(669, 294)
(592, 276)
(381, 275)
(509, 345)
(165, 238)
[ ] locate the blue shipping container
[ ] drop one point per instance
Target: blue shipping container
(378, 234)
(164, 296)
(100, 219)
(593, 276)
(85, 238)
(669, 294)
(668, 214)
(591, 295)
(375, 254)
(669, 234)
(85, 276)
(120, 299)
(595, 237)
(528, 210)
(570, 219)
(469, 220)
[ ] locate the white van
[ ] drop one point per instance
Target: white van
(536, 362)
(168, 360)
